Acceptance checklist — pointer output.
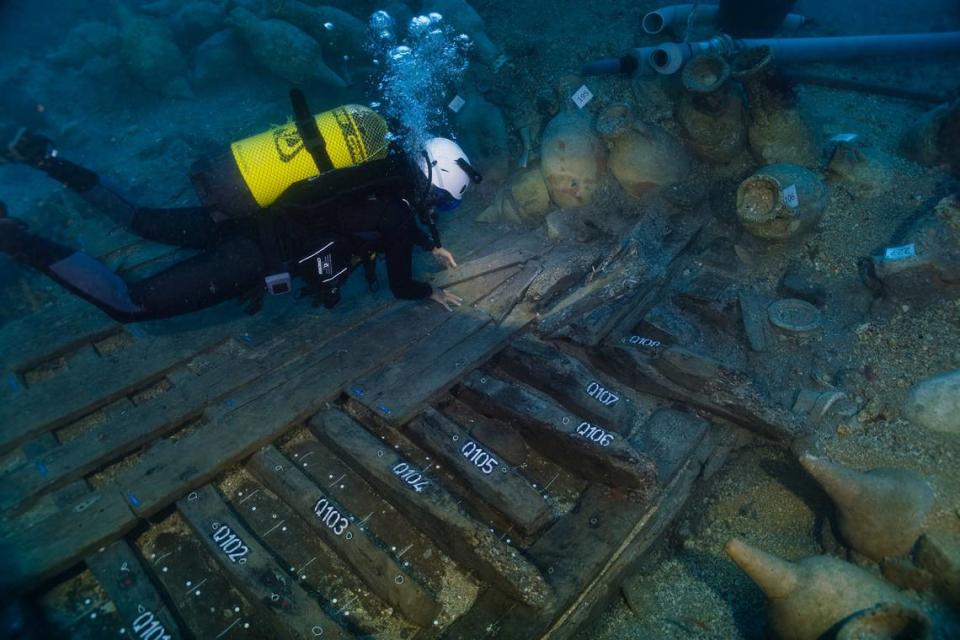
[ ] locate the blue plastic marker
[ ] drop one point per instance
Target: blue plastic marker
(357, 390)
(229, 403)
(12, 381)
(384, 409)
(42, 468)
(134, 500)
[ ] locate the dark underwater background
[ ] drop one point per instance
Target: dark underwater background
(140, 90)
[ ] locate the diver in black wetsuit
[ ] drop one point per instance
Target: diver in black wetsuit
(370, 208)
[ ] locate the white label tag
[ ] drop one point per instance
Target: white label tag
(790, 197)
(900, 253)
(582, 97)
(844, 137)
(456, 104)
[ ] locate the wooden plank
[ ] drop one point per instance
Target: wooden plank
(439, 359)
(563, 269)
(54, 331)
(251, 568)
(45, 548)
(121, 433)
(418, 553)
(477, 267)
(119, 571)
(307, 559)
(639, 264)
(264, 411)
(586, 449)
(205, 601)
(472, 504)
(587, 554)
(495, 480)
(385, 576)
(572, 384)
(217, 374)
(679, 375)
(509, 298)
(397, 391)
(83, 389)
(463, 538)
(559, 487)
(77, 608)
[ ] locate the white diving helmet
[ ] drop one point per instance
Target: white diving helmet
(445, 164)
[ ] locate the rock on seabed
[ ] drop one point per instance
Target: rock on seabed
(935, 403)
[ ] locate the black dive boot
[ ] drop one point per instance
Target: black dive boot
(36, 150)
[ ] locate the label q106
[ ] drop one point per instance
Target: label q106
(596, 434)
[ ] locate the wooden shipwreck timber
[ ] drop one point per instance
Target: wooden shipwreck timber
(393, 473)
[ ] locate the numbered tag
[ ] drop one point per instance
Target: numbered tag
(480, 458)
(643, 342)
(593, 433)
(844, 137)
(604, 396)
(147, 627)
(790, 197)
(411, 476)
(328, 515)
(230, 543)
(456, 104)
(900, 253)
(582, 97)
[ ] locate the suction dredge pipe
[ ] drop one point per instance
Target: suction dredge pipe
(670, 58)
(677, 15)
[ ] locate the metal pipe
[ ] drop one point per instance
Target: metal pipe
(670, 57)
(668, 17)
(634, 61)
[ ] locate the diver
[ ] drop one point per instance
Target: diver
(354, 195)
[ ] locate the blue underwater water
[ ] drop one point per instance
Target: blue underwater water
(140, 91)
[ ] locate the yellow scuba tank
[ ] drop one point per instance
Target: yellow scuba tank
(258, 169)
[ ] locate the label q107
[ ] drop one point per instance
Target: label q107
(604, 396)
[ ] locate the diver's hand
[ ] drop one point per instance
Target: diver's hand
(446, 299)
(444, 257)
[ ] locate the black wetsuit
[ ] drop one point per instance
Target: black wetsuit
(372, 213)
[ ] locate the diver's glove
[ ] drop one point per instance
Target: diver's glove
(26, 148)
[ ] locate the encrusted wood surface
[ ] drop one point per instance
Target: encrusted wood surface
(387, 471)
